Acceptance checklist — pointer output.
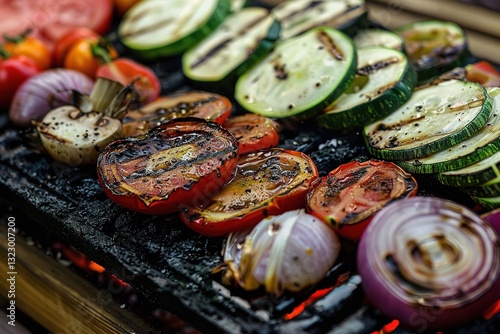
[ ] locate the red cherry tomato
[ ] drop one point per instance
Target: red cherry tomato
(51, 19)
(267, 182)
(254, 132)
(63, 44)
(349, 195)
(483, 73)
(208, 106)
(147, 85)
(14, 72)
(182, 162)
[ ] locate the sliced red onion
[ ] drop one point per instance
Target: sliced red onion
(44, 92)
(286, 252)
(493, 218)
(430, 263)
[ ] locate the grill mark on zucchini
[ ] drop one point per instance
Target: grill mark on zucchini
(330, 46)
(380, 91)
(370, 69)
(280, 71)
(225, 42)
(147, 29)
(311, 5)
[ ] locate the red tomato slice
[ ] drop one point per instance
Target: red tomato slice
(51, 19)
(483, 73)
(267, 182)
(208, 106)
(185, 161)
(124, 70)
(254, 132)
(349, 195)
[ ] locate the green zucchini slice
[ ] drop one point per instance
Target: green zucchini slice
(488, 203)
(481, 145)
(300, 77)
(488, 189)
(378, 37)
(432, 120)
(474, 175)
(384, 81)
(299, 16)
(434, 47)
(241, 40)
(236, 5)
(153, 29)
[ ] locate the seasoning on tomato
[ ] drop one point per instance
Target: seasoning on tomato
(348, 196)
(254, 132)
(26, 45)
(182, 162)
(14, 71)
(268, 182)
(199, 104)
(125, 71)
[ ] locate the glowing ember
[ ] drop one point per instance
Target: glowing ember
(300, 308)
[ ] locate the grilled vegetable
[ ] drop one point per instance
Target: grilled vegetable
(489, 189)
(241, 40)
(253, 132)
(43, 92)
(384, 81)
(182, 162)
(378, 37)
(267, 182)
(288, 252)
(481, 145)
(182, 104)
(349, 196)
(484, 73)
(302, 75)
(151, 29)
(434, 119)
(488, 203)
(14, 71)
(29, 46)
(476, 174)
(299, 16)
(493, 218)
(434, 47)
(430, 263)
(75, 135)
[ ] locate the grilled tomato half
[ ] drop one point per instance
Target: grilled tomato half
(351, 194)
(185, 161)
(268, 182)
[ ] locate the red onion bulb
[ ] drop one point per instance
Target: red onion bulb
(430, 263)
(286, 252)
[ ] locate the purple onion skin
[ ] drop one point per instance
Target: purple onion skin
(493, 218)
(44, 92)
(415, 316)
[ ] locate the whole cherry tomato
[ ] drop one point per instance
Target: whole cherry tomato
(28, 46)
(88, 54)
(484, 73)
(124, 70)
(13, 72)
(63, 44)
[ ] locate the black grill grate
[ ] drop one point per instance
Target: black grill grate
(171, 265)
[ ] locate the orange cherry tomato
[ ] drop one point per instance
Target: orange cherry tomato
(63, 44)
(30, 47)
(82, 56)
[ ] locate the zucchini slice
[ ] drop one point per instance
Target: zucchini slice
(241, 40)
(434, 47)
(153, 29)
(300, 77)
(432, 120)
(298, 16)
(488, 189)
(482, 144)
(236, 5)
(488, 203)
(384, 81)
(379, 37)
(474, 175)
